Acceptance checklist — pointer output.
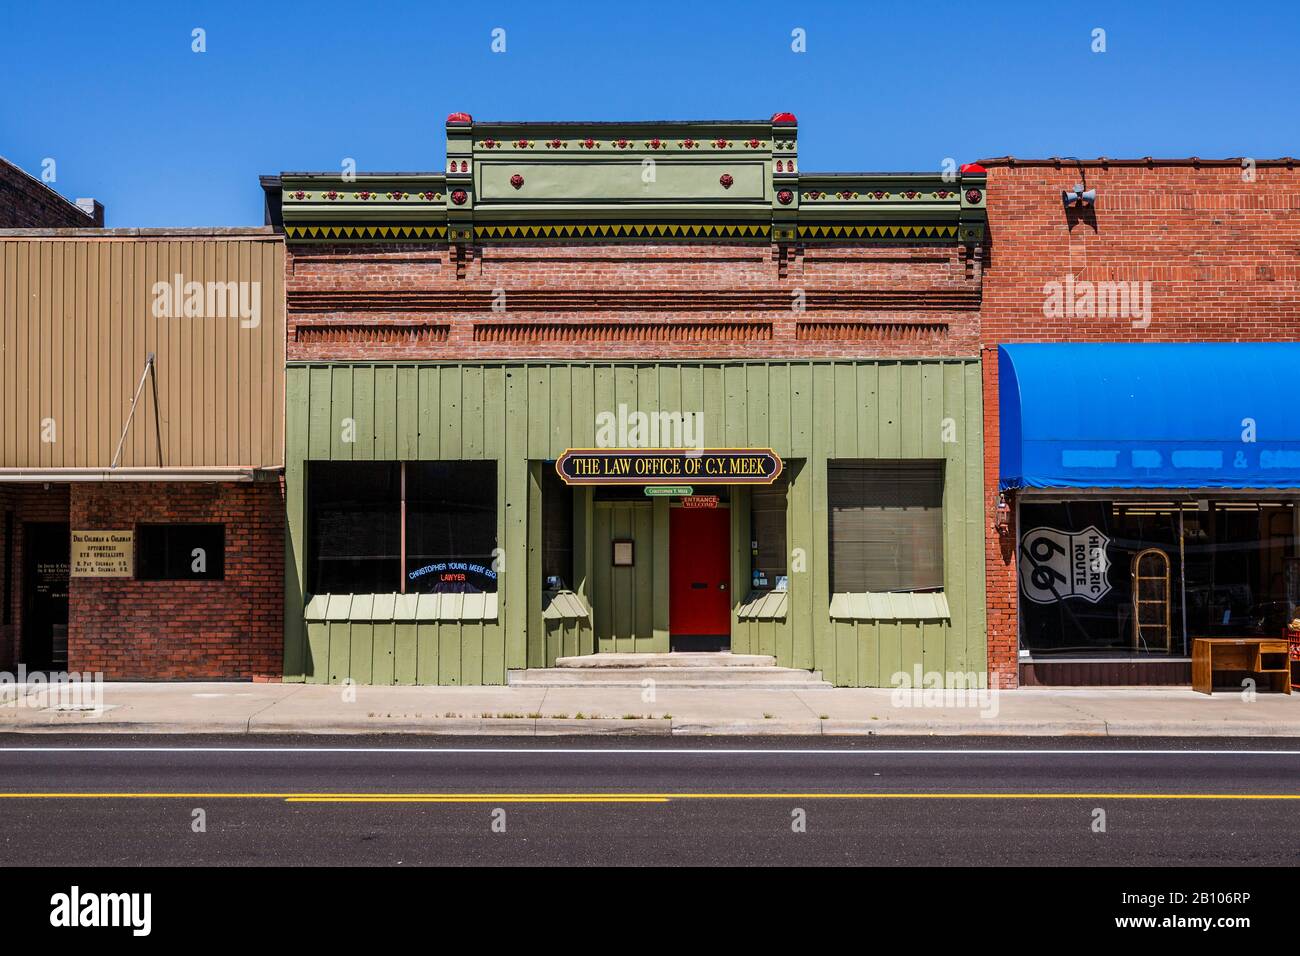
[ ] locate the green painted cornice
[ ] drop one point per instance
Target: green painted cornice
(736, 180)
(371, 206)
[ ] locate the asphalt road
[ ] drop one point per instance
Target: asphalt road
(675, 801)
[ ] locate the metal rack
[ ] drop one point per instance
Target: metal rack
(1151, 622)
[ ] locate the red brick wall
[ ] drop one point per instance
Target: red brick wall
(170, 630)
(27, 203)
(1222, 255)
(900, 300)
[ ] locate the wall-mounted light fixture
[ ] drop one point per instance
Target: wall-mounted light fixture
(1002, 519)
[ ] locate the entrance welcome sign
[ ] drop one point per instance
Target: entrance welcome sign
(668, 466)
(1055, 565)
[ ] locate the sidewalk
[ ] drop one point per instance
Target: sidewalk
(238, 708)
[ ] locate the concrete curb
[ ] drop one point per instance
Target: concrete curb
(127, 727)
(469, 726)
(642, 726)
(773, 727)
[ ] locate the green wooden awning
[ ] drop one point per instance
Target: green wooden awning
(764, 606)
(888, 606)
(564, 606)
(402, 607)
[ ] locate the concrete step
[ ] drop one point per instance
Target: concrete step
(676, 659)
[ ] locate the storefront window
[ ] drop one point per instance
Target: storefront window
(767, 507)
(355, 521)
(451, 526)
(886, 525)
(1146, 576)
(354, 526)
(557, 532)
(180, 552)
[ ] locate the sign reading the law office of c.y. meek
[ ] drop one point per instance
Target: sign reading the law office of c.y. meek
(668, 466)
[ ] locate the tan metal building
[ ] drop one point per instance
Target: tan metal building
(141, 449)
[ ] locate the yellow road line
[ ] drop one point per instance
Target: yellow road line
(663, 797)
(499, 798)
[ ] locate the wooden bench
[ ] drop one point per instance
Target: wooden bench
(1262, 656)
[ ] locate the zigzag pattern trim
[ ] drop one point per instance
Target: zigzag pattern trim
(876, 232)
(434, 233)
(623, 230)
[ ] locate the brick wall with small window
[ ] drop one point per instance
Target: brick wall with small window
(207, 597)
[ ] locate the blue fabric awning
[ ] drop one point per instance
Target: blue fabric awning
(1118, 415)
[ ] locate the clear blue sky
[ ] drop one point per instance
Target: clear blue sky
(168, 137)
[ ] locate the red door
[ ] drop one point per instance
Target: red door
(699, 579)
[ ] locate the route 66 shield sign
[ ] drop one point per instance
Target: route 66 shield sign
(1056, 565)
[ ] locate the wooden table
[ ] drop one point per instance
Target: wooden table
(1263, 656)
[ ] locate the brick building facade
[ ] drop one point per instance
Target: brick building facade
(477, 323)
(1219, 245)
(175, 630)
(27, 203)
(159, 630)
(629, 301)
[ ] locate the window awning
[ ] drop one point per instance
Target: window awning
(1168, 415)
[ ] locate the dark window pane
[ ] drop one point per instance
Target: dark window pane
(557, 530)
(180, 552)
(451, 526)
(767, 506)
(886, 525)
(8, 613)
(354, 527)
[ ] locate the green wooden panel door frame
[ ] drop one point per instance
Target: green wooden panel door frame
(630, 604)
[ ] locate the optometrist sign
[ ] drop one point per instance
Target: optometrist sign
(1057, 565)
(103, 554)
(668, 466)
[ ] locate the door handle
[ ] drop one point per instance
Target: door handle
(722, 586)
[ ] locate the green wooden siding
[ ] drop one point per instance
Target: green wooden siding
(522, 414)
(630, 613)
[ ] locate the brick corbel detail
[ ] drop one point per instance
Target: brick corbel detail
(462, 254)
(786, 255)
(973, 256)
